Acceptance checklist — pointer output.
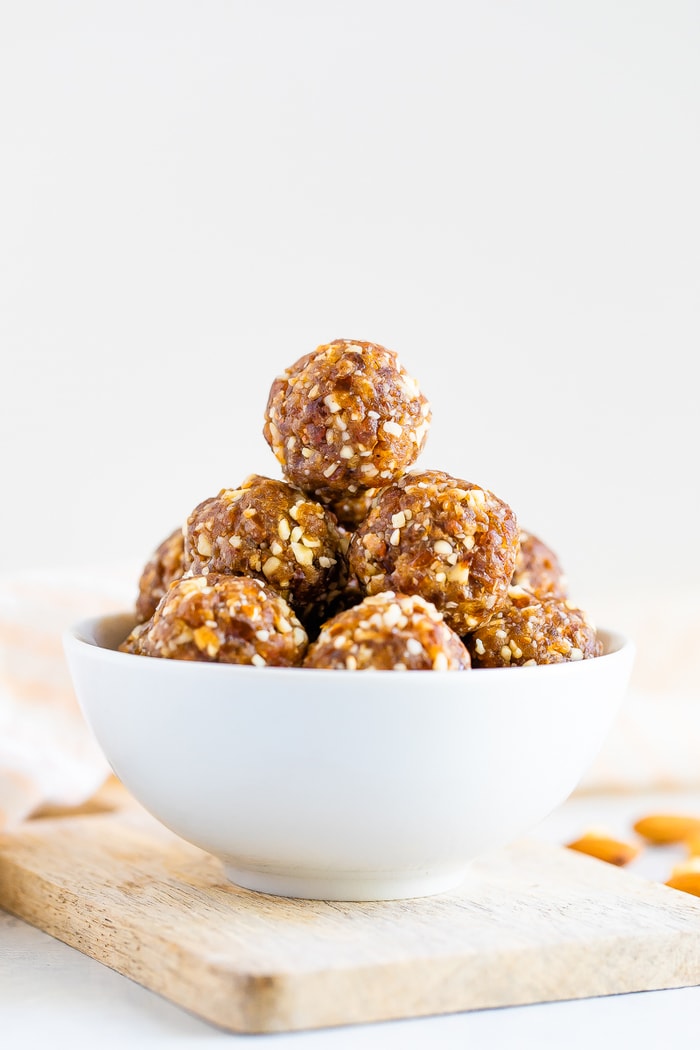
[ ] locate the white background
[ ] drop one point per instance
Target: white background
(193, 195)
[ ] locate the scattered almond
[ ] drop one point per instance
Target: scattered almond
(686, 876)
(662, 829)
(604, 846)
(657, 829)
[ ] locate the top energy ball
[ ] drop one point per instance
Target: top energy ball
(345, 418)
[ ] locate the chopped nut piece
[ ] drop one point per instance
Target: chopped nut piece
(283, 529)
(304, 555)
(271, 566)
(442, 547)
(204, 546)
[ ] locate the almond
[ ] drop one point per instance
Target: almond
(662, 829)
(686, 877)
(605, 847)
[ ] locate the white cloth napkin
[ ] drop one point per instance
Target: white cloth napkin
(47, 753)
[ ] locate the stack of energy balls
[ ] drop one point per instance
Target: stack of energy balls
(355, 561)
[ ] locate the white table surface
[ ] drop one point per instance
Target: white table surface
(52, 996)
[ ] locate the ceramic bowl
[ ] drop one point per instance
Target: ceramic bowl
(344, 785)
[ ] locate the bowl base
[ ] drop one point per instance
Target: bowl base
(347, 885)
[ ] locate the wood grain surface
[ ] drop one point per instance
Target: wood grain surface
(531, 923)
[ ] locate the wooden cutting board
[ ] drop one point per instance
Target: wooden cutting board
(531, 923)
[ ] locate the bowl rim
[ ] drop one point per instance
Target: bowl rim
(81, 636)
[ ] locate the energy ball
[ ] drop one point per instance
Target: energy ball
(132, 644)
(448, 540)
(537, 569)
(224, 619)
(272, 531)
(344, 418)
(388, 632)
(529, 630)
(166, 564)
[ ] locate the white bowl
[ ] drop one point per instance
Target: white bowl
(344, 785)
